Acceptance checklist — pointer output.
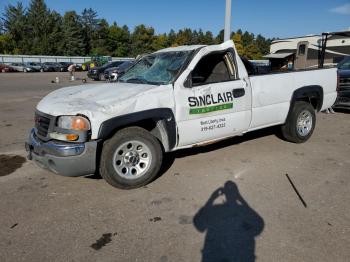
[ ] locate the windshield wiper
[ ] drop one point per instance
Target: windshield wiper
(142, 81)
(137, 80)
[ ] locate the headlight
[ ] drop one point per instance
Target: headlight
(74, 123)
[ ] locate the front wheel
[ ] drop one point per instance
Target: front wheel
(131, 158)
(300, 123)
(101, 77)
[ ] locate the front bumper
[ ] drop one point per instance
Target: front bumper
(67, 159)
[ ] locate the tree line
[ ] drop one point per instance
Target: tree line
(37, 30)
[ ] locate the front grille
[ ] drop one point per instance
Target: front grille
(342, 100)
(42, 125)
(344, 80)
(344, 83)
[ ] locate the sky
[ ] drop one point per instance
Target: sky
(270, 18)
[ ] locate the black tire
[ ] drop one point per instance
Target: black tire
(295, 133)
(101, 77)
(111, 151)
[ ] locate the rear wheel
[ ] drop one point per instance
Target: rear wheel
(300, 123)
(131, 158)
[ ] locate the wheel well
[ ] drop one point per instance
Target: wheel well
(159, 122)
(314, 101)
(148, 124)
(309, 94)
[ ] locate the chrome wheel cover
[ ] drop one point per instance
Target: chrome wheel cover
(132, 159)
(304, 123)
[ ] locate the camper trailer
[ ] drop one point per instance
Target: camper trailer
(307, 51)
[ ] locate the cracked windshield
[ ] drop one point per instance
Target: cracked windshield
(156, 69)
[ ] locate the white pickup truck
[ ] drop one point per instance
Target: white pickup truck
(175, 98)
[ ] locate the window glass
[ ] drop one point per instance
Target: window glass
(157, 68)
(345, 63)
(302, 49)
(213, 68)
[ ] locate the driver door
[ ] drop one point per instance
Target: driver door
(212, 102)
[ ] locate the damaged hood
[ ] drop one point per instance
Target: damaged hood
(100, 102)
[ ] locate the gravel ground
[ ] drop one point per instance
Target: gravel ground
(229, 200)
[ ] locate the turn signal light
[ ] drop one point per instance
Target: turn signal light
(72, 137)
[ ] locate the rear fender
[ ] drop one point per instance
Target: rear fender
(312, 94)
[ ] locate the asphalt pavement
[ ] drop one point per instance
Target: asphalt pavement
(248, 198)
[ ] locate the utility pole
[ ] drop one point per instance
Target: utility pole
(227, 31)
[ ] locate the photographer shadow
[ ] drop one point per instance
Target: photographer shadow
(231, 227)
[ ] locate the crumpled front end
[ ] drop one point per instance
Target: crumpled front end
(68, 158)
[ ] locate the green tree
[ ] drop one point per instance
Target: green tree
(89, 22)
(220, 37)
(208, 39)
(160, 42)
(263, 44)
(39, 30)
(194, 37)
(171, 38)
(247, 38)
(14, 25)
(184, 37)
(72, 35)
(205, 38)
(118, 40)
(56, 36)
(6, 44)
(237, 39)
(142, 40)
(252, 51)
(100, 38)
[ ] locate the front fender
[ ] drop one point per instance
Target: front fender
(165, 129)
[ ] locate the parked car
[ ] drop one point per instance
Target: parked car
(97, 73)
(64, 66)
(112, 73)
(78, 67)
(32, 67)
(6, 68)
(50, 67)
(175, 98)
(25, 67)
(18, 67)
(343, 99)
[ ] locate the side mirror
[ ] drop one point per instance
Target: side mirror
(188, 81)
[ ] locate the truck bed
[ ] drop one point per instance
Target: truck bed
(272, 93)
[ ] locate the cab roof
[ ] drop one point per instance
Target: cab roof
(180, 48)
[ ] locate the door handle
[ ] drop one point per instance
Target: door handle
(238, 92)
